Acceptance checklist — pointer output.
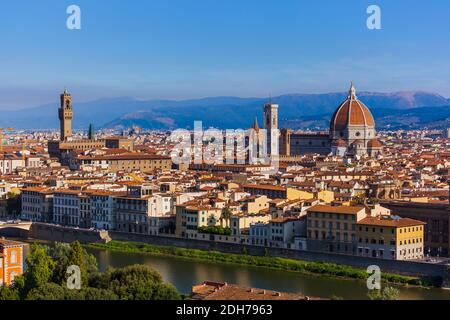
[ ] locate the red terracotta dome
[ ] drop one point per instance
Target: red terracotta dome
(374, 143)
(351, 112)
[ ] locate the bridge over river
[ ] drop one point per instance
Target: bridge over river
(15, 229)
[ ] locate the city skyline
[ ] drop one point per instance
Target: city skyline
(171, 50)
(206, 151)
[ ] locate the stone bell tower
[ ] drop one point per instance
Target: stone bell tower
(271, 125)
(65, 116)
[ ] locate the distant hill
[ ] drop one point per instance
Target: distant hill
(416, 118)
(296, 110)
(301, 110)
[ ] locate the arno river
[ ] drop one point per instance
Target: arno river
(184, 273)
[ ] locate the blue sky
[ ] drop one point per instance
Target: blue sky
(176, 49)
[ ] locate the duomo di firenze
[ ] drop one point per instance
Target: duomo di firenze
(352, 132)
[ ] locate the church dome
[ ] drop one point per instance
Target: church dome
(351, 112)
(374, 144)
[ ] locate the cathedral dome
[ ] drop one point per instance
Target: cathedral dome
(351, 112)
(374, 143)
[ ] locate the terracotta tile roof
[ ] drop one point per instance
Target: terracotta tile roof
(264, 187)
(390, 222)
(335, 209)
(223, 291)
(7, 243)
(351, 112)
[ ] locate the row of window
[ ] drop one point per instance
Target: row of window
(73, 221)
(336, 216)
(331, 225)
(66, 202)
(330, 236)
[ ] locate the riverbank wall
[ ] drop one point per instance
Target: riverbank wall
(48, 232)
(410, 268)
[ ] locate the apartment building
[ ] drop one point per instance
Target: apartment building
(141, 211)
(66, 208)
(85, 211)
(102, 210)
(437, 217)
(190, 216)
(333, 228)
(127, 162)
(390, 237)
(259, 234)
(282, 232)
(279, 232)
(9, 163)
(37, 204)
(242, 222)
(11, 261)
(276, 192)
(254, 204)
(5, 187)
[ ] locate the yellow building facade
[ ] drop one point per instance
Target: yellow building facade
(391, 237)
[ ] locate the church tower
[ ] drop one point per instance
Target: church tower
(65, 115)
(271, 125)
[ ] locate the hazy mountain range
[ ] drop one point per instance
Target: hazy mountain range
(408, 109)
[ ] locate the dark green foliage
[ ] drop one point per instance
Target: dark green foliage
(46, 265)
(66, 255)
(219, 230)
(388, 293)
(53, 291)
(139, 282)
(39, 269)
(8, 293)
(98, 294)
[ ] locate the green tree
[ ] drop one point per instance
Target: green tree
(78, 258)
(98, 294)
(52, 291)
(219, 230)
(388, 293)
(74, 254)
(140, 282)
(39, 268)
(8, 293)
